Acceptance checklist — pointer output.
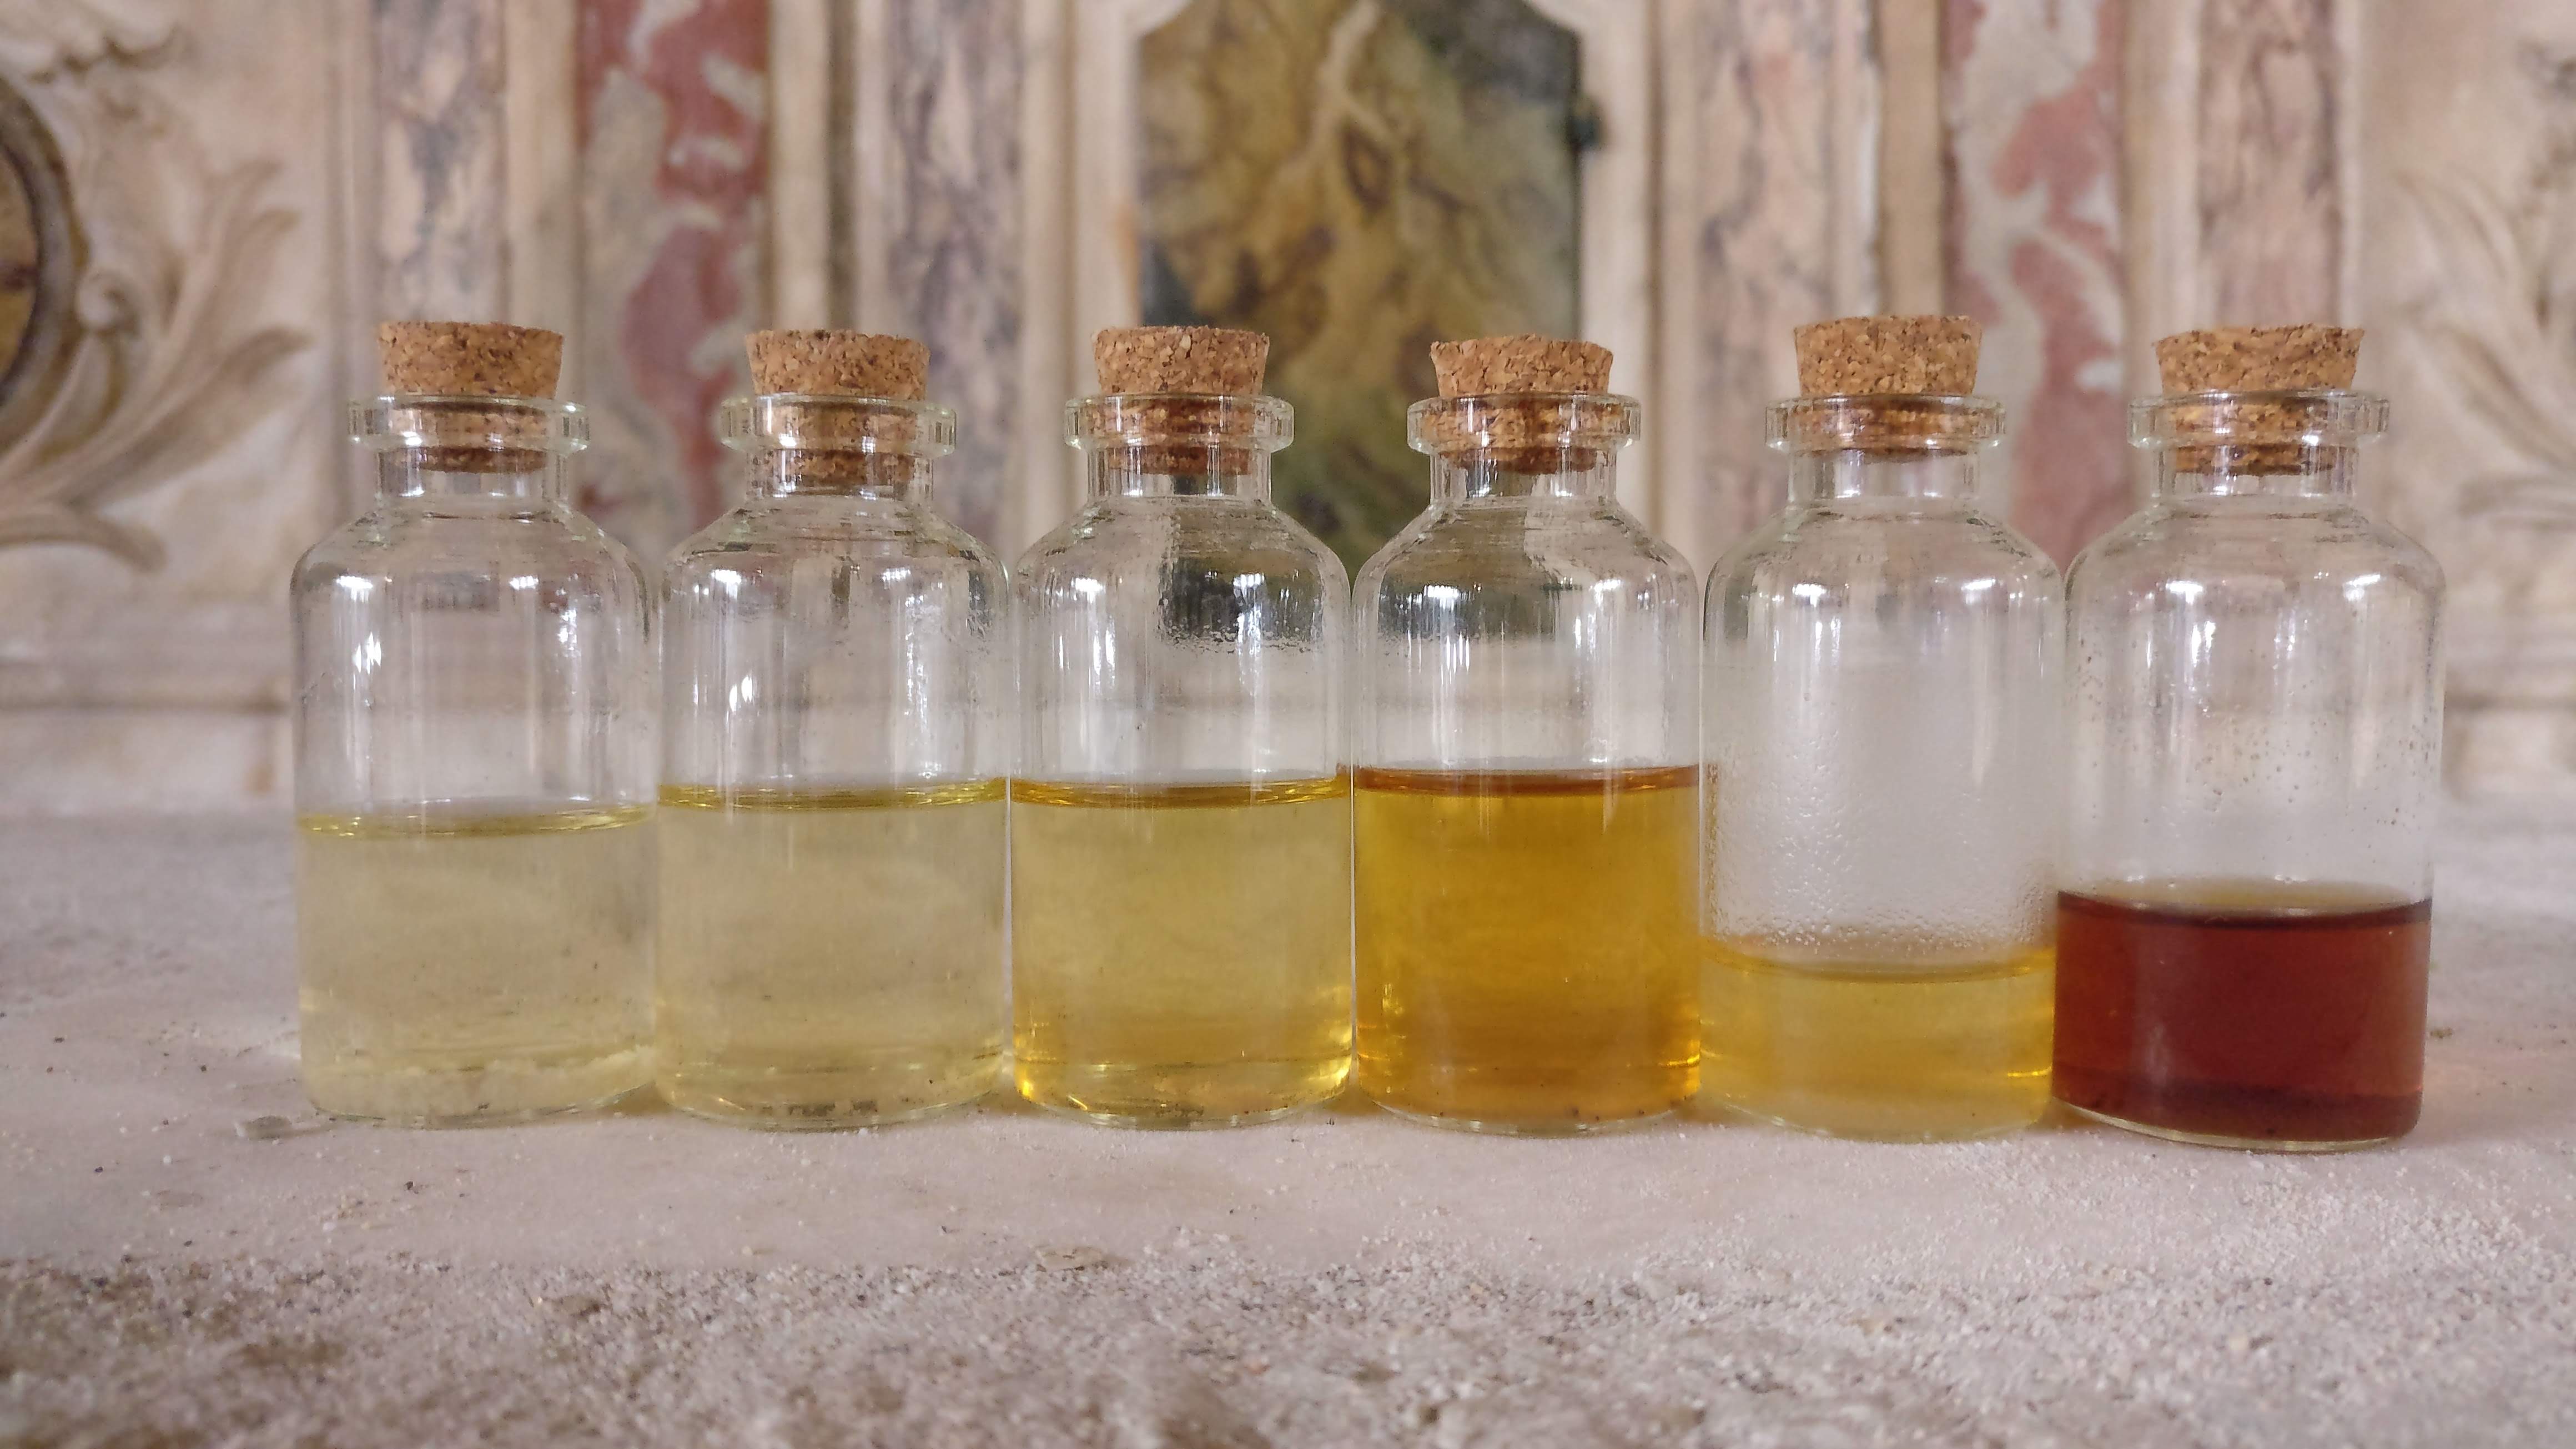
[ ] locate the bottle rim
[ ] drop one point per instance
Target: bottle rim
(2297, 417)
(398, 422)
(1575, 422)
(1886, 422)
(1180, 419)
(799, 422)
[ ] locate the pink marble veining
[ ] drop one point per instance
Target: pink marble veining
(673, 98)
(2031, 101)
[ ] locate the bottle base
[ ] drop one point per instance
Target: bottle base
(434, 1121)
(1881, 1122)
(493, 1094)
(766, 1104)
(2242, 1144)
(1176, 1121)
(1180, 1099)
(1541, 1127)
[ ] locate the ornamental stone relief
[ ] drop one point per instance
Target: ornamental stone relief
(132, 281)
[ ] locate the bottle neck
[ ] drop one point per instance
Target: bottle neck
(1523, 474)
(2263, 470)
(799, 473)
(1915, 475)
(452, 480)
(1176, 470)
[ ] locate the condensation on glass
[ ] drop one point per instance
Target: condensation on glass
(2255, 762)
(836, 680)
(1881, 715)
(474, 772)
(1527, 783)
(1180, 819)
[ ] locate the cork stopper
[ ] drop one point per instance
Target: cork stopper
(2259, 359)
(1526, 363)
(1887, 386)
(1195, 364)
(1214, 361)
(468, 359)
(839, 444)
(1862, 356)
(2302, 358)
(1509, 403)
(474, 359)
(832, 363)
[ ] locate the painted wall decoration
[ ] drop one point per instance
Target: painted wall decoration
(205, 204)
(1359, 179)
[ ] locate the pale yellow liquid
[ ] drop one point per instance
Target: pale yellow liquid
(465, 968)
(830, 958)
(1525, 946)
(1181, 954)
(1855, 1044)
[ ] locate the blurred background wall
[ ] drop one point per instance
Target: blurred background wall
(206, 204)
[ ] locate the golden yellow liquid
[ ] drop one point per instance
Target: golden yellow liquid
(466, 968)
(830, 958)
(1181, 954)
(1526, 956)
(1853, 1043)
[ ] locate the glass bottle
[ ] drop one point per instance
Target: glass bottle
(1881, 714)
(836, 667)
(473, 758)
(1180, 823)
(1527, 783)
(2256, 738)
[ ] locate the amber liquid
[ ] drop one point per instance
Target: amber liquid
(1526, 959)
(2246, 1013)
(1181, 953)
(1870, 1039)
(830, 958)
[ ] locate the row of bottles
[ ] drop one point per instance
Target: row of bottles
(1891, 842)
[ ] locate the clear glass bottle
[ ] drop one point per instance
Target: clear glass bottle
(1180, 822)
(2256, 741)
(473, 761)
(836, 670)
(1527, 784)
(1881, 714)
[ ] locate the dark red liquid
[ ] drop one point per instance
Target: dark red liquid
(2249, 1010)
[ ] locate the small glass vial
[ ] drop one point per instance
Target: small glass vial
(836, 669)
(473, 758)
(1180, 824)
(1881, 718)
(1527, 781)
(2246, 923)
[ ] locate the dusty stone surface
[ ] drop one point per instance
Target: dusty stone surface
(1342, 1279)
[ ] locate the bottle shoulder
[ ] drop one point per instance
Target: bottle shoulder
(1122, 540)
(1832, 548)
(388, 544)
(753, 534)
(2334, 544)
(1597, 546)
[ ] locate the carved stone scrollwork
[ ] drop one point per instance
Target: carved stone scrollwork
(133, 272)
(2507, 327)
